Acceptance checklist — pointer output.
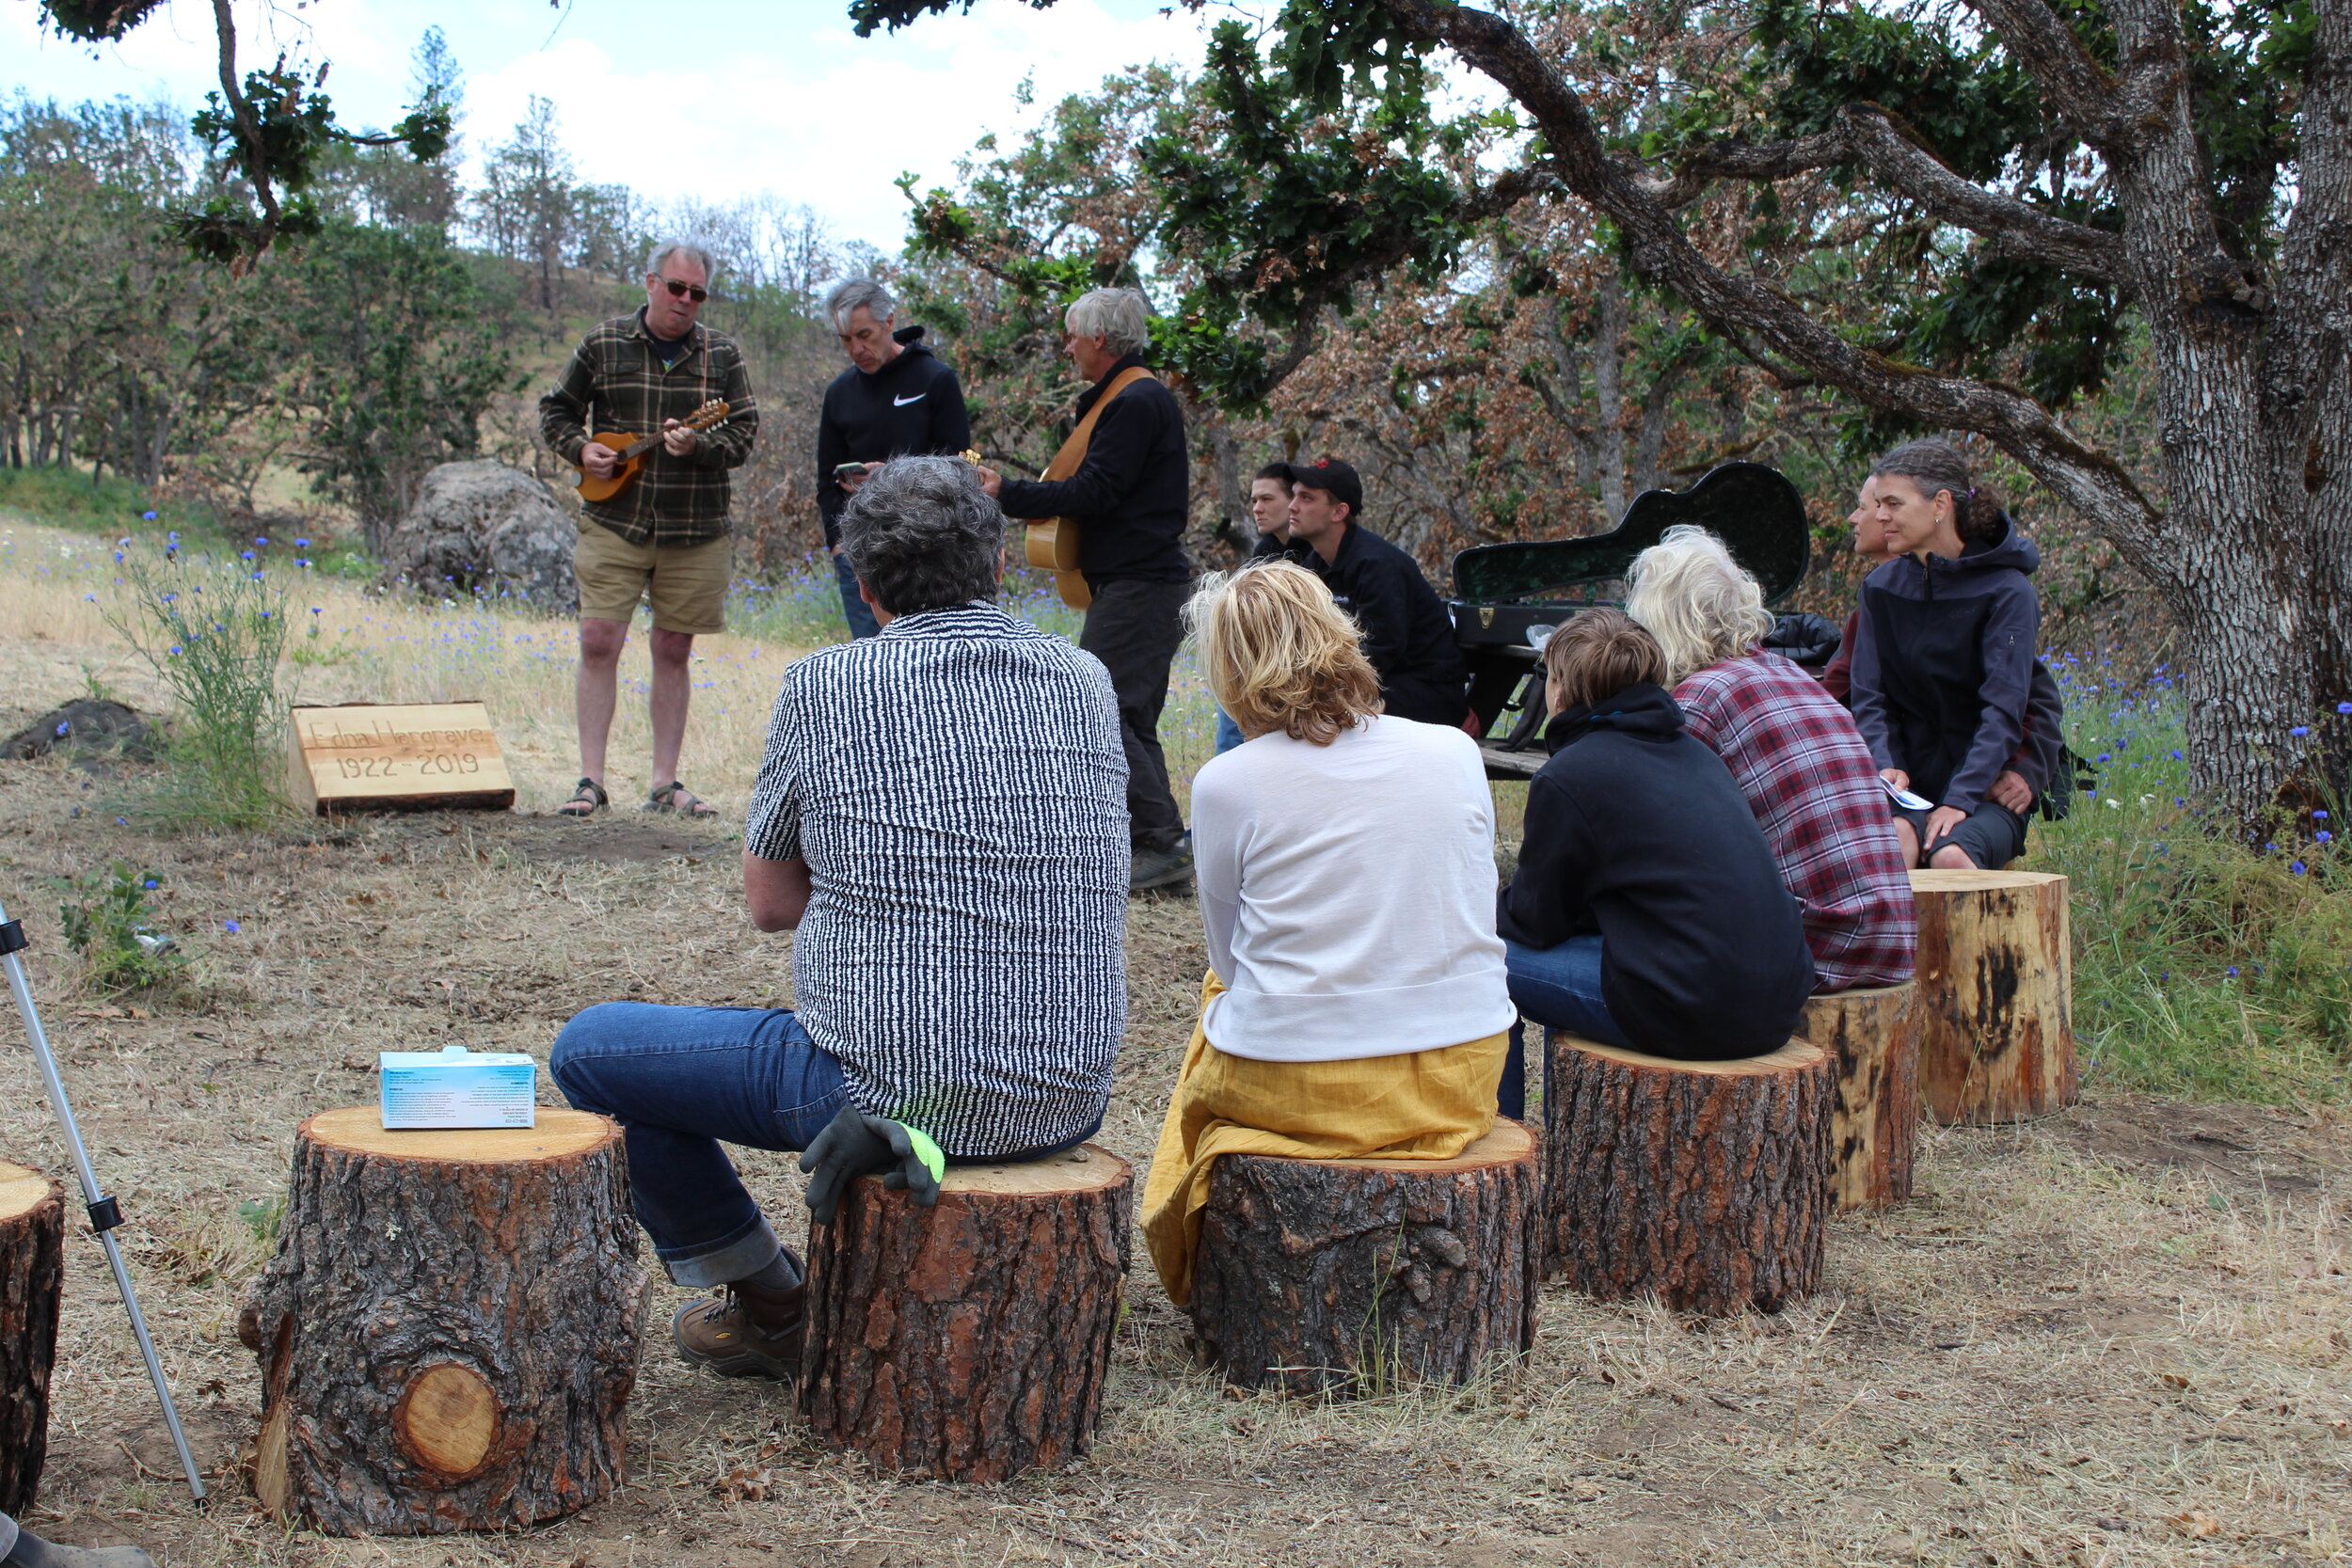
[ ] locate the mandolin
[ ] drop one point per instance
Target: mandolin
(632, 450)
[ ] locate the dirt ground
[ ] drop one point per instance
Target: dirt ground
(2120, 1336)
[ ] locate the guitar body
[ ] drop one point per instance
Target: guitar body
(1051, 544)
(632, 450)
(625, 475)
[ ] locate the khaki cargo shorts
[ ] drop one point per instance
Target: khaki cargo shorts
(687, 584)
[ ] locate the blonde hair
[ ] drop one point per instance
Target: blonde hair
(1279, 654)
(1598, 653)
(1701, 605)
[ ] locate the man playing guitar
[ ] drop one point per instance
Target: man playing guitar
(665, 535)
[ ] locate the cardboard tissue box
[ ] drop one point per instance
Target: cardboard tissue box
(454, 1088)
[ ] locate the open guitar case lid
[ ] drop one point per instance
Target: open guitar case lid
(1753, 509)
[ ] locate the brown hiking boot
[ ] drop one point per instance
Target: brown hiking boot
(748, 1332)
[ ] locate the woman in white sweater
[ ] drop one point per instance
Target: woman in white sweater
(1358, 1003)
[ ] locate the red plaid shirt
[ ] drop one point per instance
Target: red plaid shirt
(1810, 778)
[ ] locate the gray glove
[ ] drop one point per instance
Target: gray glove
(853, 1145)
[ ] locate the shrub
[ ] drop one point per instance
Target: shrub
(213, 631)
(111, 927)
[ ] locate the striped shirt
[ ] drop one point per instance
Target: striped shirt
(1815, 791)
(617, 380)
(958, 789)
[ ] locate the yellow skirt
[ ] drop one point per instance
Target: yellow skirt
(1420, 1105)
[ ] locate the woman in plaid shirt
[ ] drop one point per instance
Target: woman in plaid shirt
(1793, 751)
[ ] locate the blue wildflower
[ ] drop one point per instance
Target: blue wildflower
(175, 650)
(149, 882)
(2176, 755)
(232, 928)
(2324, 836)
(302, 544)
(2232, 972)
(2319, 816)
(148, 518)
(2300, 729)
(2344, 707)
(244, 555)
(2297, 867)
(64, 724)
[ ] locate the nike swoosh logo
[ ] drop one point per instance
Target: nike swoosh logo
(901, 403)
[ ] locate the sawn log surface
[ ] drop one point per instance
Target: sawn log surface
(449, 1331)
(1874, 1127)
(1995, 1016)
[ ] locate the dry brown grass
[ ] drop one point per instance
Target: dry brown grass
(2122, 1335)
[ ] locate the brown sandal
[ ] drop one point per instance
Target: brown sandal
(588, 798)
(666, 799)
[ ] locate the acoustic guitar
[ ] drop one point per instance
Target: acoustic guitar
(1052, 543)
(630, 452)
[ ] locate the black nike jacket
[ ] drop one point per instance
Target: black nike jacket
(911, 406)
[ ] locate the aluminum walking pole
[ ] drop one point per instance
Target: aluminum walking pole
(104, 1213)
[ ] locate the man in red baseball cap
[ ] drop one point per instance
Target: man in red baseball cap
(1407, 634)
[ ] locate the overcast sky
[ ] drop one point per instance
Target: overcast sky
(716, 100)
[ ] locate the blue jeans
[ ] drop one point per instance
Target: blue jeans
(1559, 987)
(1228, 733)
(680, 1079)
(854, 610)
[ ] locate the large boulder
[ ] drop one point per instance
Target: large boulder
(483, 527)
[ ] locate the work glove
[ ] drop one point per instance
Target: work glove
(853, 1145)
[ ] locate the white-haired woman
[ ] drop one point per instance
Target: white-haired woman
(1793, 751)
(1358, 1003)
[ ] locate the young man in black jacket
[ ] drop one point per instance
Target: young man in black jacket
(1130, 498)
(896, 400)
(1648, 910)
(1407, 634)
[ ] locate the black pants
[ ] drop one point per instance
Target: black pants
(1992, 835)
(1134, 627)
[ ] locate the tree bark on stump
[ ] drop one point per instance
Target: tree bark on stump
(970, 1340)
(32, 1277)
(1704, 1183)
(1874, 1127)
(1364, 1275)
(448, 1333)
(1996, 1014)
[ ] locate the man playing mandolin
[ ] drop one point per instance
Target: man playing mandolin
(1128, 496)
(663, 534)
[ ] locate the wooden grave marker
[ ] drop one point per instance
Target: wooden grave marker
(32, 1274)
(396, 756)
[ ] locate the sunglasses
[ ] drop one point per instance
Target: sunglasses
(684, 291)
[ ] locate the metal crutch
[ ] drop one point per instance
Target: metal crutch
(104, 1213)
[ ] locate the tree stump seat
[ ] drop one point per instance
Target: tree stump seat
(1706, 1184)
(1995, 974)
(32, 1277)
(449, 1331)
(970, 1340)
(1363, 1276)
(1874, 1126)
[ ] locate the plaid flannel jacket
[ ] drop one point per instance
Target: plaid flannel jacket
(614, 377)
(1809, 778)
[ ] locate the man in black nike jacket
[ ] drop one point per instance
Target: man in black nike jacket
(1130, 498)
(896, 400)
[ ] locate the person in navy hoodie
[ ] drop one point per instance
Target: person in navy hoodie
(1648, 910)
(897, 399)
(1943, 657)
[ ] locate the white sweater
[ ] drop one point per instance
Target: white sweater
(1349, 891)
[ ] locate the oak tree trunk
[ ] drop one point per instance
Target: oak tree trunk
(1874, 1126)
(449, 1331)
(1706, 1184)
(1365, 1275)
(1995, 1013)
(32, 1276)
(969, 1341)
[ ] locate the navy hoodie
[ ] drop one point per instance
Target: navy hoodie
(1636, 830)
(911, 406)
(1944, 662)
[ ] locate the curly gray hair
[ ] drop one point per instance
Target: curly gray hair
(921, 534)
(1702, 606)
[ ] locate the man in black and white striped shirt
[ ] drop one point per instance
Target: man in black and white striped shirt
(941, 816)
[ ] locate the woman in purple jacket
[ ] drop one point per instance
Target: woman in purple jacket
(1943, 657)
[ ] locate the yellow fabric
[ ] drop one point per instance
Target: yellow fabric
(1420, 1105)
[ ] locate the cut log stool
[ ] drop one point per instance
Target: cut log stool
(1704, 1183)
(32, 1272)
(448, 1333)
(969, 1341)
(1996, 1014)
(1874, 1127)
(1362, 1275)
